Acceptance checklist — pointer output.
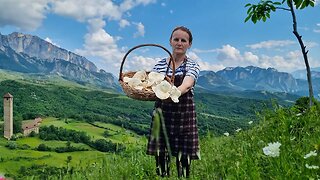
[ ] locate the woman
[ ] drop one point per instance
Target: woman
(180, 118)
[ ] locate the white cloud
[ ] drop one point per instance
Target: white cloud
(204, 51)
(50, 41)
(228, 52)
(103, 46)
(193, 55)
(250, 57)
(203, 64)
(136, 63)
(209, 66)
(316, 30)
(140, 30)
(129, 4)
(310, 44)
(271, 44)
(83, 9)
(163, 4)
(229, 56)
(123, 23)
(100, 44)
(25, 15)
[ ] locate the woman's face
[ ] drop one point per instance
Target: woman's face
(180, 42)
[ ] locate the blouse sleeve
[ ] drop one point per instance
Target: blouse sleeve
(193, 70)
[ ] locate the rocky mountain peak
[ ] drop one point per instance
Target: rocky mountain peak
(34, 46)
(31, 54)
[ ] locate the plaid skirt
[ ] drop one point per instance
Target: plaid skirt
(181, 126)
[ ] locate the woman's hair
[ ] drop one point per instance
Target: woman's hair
(182, 28)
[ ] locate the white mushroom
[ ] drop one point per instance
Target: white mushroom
(175, 93)
(162, 90)
(142, 75)
(155, 78)
(126, 79)
(133, 82)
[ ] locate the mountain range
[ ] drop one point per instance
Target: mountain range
(255, 79)
(31, 54)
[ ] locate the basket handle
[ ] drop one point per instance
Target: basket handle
(156, 45)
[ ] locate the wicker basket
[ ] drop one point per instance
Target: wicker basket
(144, 94)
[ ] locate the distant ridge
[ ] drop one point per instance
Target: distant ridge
(31, 54)
(254, 78)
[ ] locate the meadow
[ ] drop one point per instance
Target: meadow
(26, 155)
(242, 154)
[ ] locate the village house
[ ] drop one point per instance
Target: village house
(31, 126)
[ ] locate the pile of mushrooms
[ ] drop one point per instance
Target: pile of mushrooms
(155, 82)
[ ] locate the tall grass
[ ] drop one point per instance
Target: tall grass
(239, 156)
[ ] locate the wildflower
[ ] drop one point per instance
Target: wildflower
(311, 153)
(250, 122)
(226, 134)
(312, 166)
(299, 114)
(273, 149)
(238, 130)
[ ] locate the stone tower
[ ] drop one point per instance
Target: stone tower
(8, 115)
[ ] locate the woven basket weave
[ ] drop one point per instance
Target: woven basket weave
(144, 94)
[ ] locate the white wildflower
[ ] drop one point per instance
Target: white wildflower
(238, 130)
(250, 122)
(226, 134)
(312, 166)
(299, 114)
(273, 149)
(311, 153)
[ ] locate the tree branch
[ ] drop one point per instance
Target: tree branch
(282, 8)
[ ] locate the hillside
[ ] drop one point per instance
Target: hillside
(242, 155)
(102, 114)
(53, 96)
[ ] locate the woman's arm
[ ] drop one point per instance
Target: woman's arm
(186, 85)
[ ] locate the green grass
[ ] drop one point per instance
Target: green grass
(239, 156)
(10, 158)
(118, 134)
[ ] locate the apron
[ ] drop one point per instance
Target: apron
(181, 125)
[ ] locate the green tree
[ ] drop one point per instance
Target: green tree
(262, 10)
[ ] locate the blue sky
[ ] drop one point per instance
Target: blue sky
(103, 30)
